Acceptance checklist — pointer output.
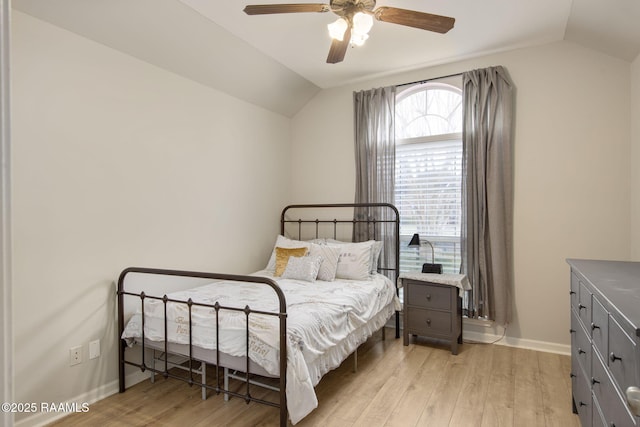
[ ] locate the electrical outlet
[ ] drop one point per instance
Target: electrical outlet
(75, 355)
(94, 349)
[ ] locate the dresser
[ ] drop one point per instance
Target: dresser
(605, 342)
(433, 307)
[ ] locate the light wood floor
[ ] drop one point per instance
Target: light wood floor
(419, 385)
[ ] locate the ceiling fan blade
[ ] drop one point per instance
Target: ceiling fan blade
(265, 9)
(412, 18)
(339, 48)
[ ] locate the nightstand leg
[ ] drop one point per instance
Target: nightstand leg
(454, 347)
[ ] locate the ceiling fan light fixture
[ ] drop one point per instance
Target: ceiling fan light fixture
(362, 23)
(337, 29)
(359, 39)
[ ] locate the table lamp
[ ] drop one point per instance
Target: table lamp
(426, 267)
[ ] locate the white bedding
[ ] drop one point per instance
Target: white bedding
(326, 321)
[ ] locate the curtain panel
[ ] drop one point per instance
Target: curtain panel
(375, 153)
(487, 192)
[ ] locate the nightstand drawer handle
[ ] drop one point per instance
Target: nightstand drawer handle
(429, 322)
(428, 297)
(580, 307)
(594, 381)
(594, 326)
(613, 357)
(581, 351)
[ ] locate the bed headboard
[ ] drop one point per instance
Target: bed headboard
(353, 222)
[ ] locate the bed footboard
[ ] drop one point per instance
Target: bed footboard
(166, 281)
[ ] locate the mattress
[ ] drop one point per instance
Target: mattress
(326, 321)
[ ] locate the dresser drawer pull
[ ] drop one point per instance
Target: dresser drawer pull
(594, 326)
(428, 297)
(572, 292)
(583, 404)
(572, 375)
(580, 307)
(613, 357)
(572, 331)
(581, 351)
(633, 399)
(429, 322)
(594, 381)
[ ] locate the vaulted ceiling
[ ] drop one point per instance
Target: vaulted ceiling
(278, 61)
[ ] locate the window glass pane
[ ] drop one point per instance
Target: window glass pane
(428, 112)
(428, 174)
(428, 191)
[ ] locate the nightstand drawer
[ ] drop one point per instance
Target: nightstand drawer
(429, 295)
(429, 322)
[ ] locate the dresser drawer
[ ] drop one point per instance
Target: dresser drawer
(429, 322)
(573, 292)
(611, 405)
(584, 305)
(582, 399)
(429, 295)
(600, 328)
(622, 351)
(580, 345)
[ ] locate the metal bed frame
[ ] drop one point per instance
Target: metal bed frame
(361, 214)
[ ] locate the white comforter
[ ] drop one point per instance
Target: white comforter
(326, 321)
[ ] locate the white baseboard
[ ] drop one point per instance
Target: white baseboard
(485, 337)
(485, 331)
(43, 418)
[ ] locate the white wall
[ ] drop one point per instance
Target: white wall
(572, 190)
(119, 163)
(635, 159)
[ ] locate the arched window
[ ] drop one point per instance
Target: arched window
(428, 173)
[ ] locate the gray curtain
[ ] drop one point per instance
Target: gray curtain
(375, 151)
(487, 192)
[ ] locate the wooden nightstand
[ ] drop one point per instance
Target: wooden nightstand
(433, 307)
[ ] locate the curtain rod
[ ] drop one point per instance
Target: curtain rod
(429, 80)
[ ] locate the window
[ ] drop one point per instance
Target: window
(428, 173)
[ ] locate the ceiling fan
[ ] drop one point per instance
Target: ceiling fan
(355, 20)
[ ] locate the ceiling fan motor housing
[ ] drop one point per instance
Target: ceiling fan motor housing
(351, 7)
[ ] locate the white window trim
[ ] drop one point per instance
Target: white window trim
(430, 138)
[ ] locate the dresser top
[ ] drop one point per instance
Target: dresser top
(616, 281)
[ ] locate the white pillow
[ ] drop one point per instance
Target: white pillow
(375, 248)
(330, 256)
(284, 242)
(303, 268)
(355, 261)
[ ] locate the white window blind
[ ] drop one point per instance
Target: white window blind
(428, 191)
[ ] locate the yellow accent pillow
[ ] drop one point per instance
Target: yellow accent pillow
(282, 257)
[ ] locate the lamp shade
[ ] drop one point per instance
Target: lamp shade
(415, 241)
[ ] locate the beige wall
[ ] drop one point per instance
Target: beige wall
(117, 163)
(572, 190)
(635, 159)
